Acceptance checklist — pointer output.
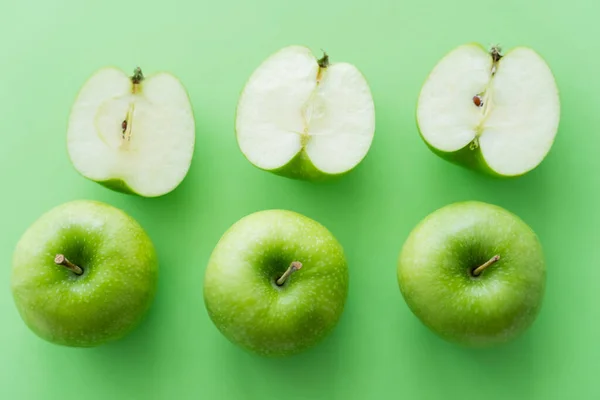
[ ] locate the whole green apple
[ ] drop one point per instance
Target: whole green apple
(276, 283)
(83, 274)
(488, 111)
(474, 273)
(305, 117)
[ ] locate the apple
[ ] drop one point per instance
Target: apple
(474, 273)
(83, 274)
(132, 134)
(305, 118)
(493, 113)
(276, 283)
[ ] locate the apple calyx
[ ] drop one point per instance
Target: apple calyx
(60, 259)
(294, 266)
(477, 271)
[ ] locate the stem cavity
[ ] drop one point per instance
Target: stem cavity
(477, 271)
(60, 259)
(294, 266)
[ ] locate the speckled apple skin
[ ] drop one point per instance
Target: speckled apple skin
(434, 274)
(113, 294)
(247, 306)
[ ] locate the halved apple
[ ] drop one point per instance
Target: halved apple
(305, 118)
(495, 113)
(132, 134)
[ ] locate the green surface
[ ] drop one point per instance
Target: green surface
(379, 350)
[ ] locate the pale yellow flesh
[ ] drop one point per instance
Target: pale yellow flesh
(154, 153)
(288, 105)
(516, 126)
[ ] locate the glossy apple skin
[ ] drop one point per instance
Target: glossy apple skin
(468, 158)
(435, 280)
(301, 168)
(113, 294)
(246, 305)
(118, 185)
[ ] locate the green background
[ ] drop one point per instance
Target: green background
(379, 350)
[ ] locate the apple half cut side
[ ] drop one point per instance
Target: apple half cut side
(498, 114)
(305, 118)
(132, 134)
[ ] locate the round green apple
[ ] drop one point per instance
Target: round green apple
(473, 273)
(493, 113)
(132, 134)
(276, 283)
(83, 274)
(305, 118)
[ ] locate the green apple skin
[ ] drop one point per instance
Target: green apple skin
(115, 290)
(434, 274)
(470, 156)
(117, 185)
(250, 309)
(301, 168)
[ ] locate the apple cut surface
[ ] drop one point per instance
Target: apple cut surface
(305, 118)
(133, 134)
(491, 112)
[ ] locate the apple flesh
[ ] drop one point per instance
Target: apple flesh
(474, 273)
(494, 113)
(133, 134)
(305, 118)
(276, 283)
(83, 274)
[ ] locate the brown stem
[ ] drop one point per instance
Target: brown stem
(294, 266)
(138, 76)
(324, 61)
(323, 64)
(136, 80)
(496, 53)
(477, 271)
(60, 259)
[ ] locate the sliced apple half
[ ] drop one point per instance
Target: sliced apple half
(132, 134)
(305, 118)
(495, 113)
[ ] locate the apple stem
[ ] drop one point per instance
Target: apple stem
(60, 259)
(294, 266)
(496, 54)
(477, 271)
(138, 76)
(323, 64)
(324, 61)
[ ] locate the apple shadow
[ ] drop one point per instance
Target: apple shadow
(125, 367)
(484, 370)
(307, 375)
